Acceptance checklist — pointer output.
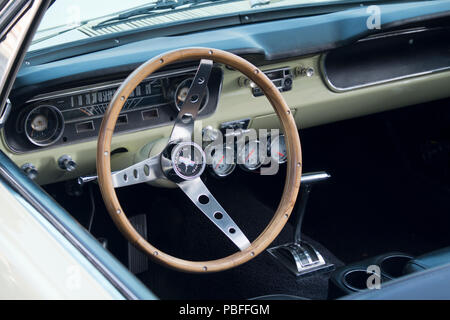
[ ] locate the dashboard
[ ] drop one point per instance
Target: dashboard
(325, 76)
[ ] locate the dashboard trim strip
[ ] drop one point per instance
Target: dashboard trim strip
(337, 89)
(104, 85)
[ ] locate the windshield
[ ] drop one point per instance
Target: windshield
(67, 20)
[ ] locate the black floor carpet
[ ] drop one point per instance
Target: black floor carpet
(263, 275)
(386, 193)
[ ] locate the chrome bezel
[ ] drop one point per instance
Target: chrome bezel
(55, 136)
(271, 148)
(213, 171)
(337, 89)
(243, 165)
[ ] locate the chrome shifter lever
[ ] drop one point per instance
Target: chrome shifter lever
(298, 256)
(308, 180)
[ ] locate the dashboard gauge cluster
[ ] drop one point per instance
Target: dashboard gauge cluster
(75, 114)
(248, 157)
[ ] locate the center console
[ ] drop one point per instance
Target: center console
(371, 273)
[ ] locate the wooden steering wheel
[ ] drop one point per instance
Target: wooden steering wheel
(164, 166)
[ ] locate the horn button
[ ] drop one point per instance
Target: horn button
(188, 161)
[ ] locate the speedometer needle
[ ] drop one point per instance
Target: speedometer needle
(249, 155)
(219, 163)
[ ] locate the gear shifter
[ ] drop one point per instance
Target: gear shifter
(298, 256)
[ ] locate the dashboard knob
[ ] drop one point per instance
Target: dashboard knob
(30, 170)
(308, 72)
(304, 71)
(210, 134)
(65, 162)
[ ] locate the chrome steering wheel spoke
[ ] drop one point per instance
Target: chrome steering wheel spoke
(205, 201)
(144, 171)
(184, 123)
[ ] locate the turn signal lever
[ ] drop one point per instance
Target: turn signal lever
(85, 179)
(82, 180)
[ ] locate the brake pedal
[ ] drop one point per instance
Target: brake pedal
(137, 260)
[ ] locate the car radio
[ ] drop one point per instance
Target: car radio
(281, 78)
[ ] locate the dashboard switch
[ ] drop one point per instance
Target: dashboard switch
(66, 163)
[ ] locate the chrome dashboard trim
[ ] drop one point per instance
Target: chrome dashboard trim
(337, 89)
(5, 113)
(104, 85)
(144, 108)
(151, 109)
(58, 112)
(85, 122)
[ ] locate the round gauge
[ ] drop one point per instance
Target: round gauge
(278, 149)
(182, 91)
(249, 156)
(220, 165)
(44, 125)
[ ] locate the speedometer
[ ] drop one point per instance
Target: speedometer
(44, 125)
(182, 91)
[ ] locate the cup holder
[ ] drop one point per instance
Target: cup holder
(392, 266)
(356, 280)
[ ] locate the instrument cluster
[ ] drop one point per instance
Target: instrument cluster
(250, 156)
(74, 115)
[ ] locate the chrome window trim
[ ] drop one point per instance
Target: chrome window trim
(5, 113)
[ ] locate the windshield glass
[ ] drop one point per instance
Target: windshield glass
(68, 20)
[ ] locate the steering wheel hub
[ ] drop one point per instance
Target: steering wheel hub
(188, 160)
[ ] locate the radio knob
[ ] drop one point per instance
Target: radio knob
(66, 163)
(30, 170)
(288, 83)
